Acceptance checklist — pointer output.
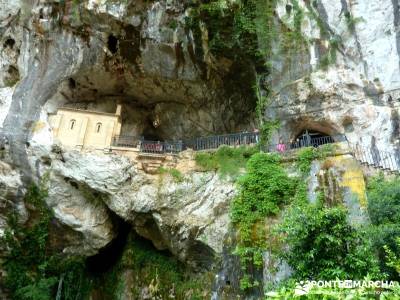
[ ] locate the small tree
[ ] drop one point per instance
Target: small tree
(323, 246)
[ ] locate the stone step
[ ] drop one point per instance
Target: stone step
(151, 167)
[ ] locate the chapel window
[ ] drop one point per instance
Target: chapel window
(98, 127)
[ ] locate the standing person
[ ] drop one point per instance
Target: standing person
(308, 139)
(281, 147)
(244, 137)
(257, 134)
(293, 144)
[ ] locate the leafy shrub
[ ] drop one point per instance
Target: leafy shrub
(267, 129)
(384, 211)
(384, 200)
(305, 157)
(40, 290)
(231, 25)
(228, 161)
(323, 246)
(393, 259)
(206, 161)
(27, 250)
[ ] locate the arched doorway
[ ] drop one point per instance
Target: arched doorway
(312, 138)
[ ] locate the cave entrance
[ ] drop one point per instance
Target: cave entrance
(152, 133)
(152, 137)
(108, 256)
(314, 138)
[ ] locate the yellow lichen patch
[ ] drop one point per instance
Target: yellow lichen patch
(354, 180)
(352, 176)
(38, 126)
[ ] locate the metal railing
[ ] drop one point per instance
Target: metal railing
(383, 160)
(157, 147)
(125, 141)
(214, 142)
(302, 143)
(386, 161)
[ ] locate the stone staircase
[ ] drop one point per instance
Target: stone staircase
(386, 162)
(151, 163)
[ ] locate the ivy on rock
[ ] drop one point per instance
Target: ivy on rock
(262, 191)
(33, 271)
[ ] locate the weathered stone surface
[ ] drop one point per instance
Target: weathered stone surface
(141, 53)
(188, 217)
(358, 94)
(10, 184)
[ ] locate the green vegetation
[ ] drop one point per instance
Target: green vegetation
(322, 245)
(351, 21)
(316, 240)
(266, 131)
(174, 173)
(305, 156)
(393, 259)
(173, 24)
(384, 211)
(262, 191)
(32, 270)
(164, 270)
(228, 161)
(159, 272)
(231, 25)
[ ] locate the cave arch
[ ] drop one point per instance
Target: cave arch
(305, 132)
(309, 137)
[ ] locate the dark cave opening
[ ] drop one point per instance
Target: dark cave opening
(314, 138)
(151, 132)
(112, 44)
(72, 83)
(312, 133)
(109, 255)
(9, 43)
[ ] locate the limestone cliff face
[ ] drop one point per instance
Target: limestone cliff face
(142, 54)
(189, 218)
(92, 55)
(345, 79)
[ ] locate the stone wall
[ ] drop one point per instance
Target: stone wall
(84, 129)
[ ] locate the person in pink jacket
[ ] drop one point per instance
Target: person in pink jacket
(281, 147)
